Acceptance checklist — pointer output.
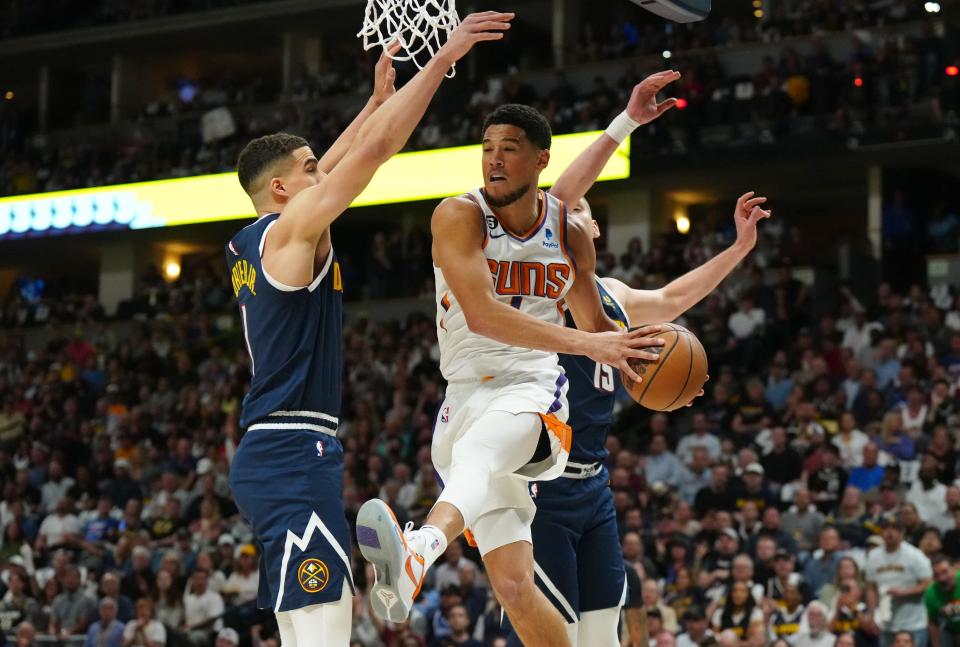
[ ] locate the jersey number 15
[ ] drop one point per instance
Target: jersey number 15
(603, 378)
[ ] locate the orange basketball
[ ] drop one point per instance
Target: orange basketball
(675, 379)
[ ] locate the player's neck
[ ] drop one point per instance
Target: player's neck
(522, 213)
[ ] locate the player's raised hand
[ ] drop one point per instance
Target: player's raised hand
(746, 216)
(618, 348)
(384, 75)
(643, 107)
(477, 27)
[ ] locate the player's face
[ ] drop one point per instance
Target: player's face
(581, 211)
(302, 174)
(511, 164)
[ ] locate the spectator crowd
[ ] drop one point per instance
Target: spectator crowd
(810, 496)
(891, 87)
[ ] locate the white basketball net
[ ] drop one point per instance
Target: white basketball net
(415, 24)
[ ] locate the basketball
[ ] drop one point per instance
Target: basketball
(675, 379)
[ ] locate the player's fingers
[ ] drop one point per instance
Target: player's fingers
(625, 369)
(392, 50)
(752, 202)
(666, 105)
(645, 355)
(490, 15)
(492, 25)
(488, 35)
(643, 331)
(645, 342)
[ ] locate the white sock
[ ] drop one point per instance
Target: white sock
(430, 542)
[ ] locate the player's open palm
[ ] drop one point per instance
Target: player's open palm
(643, 106)
(618, 348)
(477, 27)
(746, 216)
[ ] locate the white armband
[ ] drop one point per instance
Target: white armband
(621, 127)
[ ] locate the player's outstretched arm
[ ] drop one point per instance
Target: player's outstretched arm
(681, 294)
(383, 88)
(458, 251)
(310, 212)
(642, 108)
(583, 299)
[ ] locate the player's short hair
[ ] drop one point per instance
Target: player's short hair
(262, 154)
(532, 123)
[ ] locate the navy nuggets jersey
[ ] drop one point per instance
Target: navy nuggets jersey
(593, 388)
(293, 336)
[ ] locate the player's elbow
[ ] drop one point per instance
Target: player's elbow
(478, 322)
(375, 149)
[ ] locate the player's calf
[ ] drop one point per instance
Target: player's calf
(536, 621)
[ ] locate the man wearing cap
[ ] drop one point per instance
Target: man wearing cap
(228, 637)
(718, 565)
(898, 574)
(754, 489)
(698, 632)
(241, 586)
(784, 567)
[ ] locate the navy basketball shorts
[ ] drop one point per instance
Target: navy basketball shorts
(288, 484)
(576, 546)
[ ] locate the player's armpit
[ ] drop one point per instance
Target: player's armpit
(583, 299)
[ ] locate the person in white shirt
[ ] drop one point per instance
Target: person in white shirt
(747, 320)
(60, 528)
(144, 630)
(245, 578)
(850, 441)
(701, 437)
(858, 336)
(202, 609)
(927, 494)
(697, 633)
(898, 574)
(56, 486)
(816, 632)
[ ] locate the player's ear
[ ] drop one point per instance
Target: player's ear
(543, 159)
(278, 188)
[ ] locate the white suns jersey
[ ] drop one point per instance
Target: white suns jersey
(531, 272)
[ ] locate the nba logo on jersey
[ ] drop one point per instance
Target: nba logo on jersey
(445, 415)
(533, 490)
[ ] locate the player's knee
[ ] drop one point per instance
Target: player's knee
(514, 589)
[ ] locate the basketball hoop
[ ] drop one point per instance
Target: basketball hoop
(415, 24)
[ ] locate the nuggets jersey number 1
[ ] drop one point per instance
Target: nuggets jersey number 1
(531, 271)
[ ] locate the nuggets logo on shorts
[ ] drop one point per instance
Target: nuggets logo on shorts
(313, 575)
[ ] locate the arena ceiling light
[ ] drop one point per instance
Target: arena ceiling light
(422, 175)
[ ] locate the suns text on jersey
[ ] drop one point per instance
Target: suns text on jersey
(529, 278)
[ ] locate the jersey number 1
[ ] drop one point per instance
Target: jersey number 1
(603, 378)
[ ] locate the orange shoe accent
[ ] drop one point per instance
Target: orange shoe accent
(423, 573)
(561, 430)
(471, 540)
(397, 525)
